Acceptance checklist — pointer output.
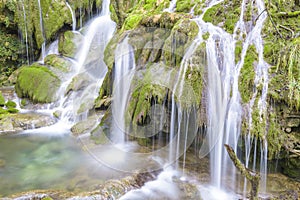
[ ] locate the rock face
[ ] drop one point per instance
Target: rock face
(69, 42)
(13, 123)
(37, 83)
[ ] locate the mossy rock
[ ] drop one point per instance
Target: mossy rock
(10, 104)
(181, 37)
(285, 76)
(37, 83)
(84, 126)
(225, 14)
(291, 167)
(58, 62)
(69, 43)
(187, 5)
(148, 44)
(2, 100)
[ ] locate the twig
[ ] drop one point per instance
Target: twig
(274, 24)
(260, 14)
(288, 29)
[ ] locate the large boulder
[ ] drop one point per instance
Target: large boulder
(37, 83)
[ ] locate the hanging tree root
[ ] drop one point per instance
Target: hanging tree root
(251, 176)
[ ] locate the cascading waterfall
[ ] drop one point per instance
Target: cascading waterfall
(98, 34)
(73, 17)
(224, 107)
(43, 54)
(123, 74)
(88, 63)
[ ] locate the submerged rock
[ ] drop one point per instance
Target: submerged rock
(85, 126)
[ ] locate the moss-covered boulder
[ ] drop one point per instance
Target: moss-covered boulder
(69, 43)
(37, 83)
(10, 104)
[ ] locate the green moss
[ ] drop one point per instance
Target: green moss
(3, 111)
(247, 74)
(181, 37)
(140, 102)
(185, 5)
(2, 100)
(69, 43)
(275, 136)
(47, 198)
(132, 21)
(205, 36)
(12, 110)
(37, 83)
(10, 104)
(211, 13)
(258, 127)
(58, 62)
(23, 102)
(285, 75)
(227, 12)
(193, 86)
(238, 50)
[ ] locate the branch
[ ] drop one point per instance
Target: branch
(288, 29)
(288, 14)
(274, 24)
(251, 176)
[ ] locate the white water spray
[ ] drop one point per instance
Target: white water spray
(171, 7)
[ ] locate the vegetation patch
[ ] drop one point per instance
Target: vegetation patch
(225, 14)
(247, 74)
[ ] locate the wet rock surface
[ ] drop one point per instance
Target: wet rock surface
(14, 123)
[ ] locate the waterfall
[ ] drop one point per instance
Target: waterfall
(26, 33)
(219, 82)
(171, 7)
(88, 63)
(224, 103)
(182, 124)
(73, 17)
(43, 55)
(123, 74)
